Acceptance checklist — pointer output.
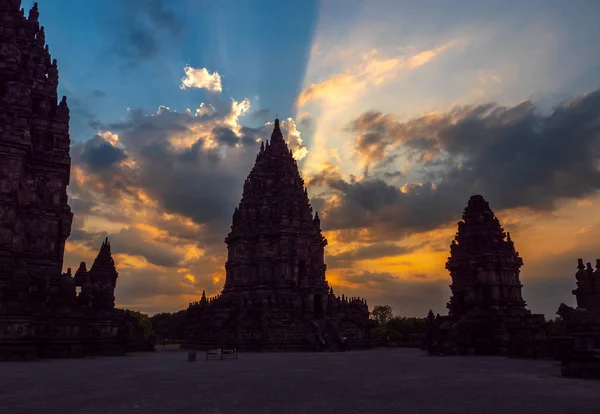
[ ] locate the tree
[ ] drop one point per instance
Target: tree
(169, 325)
(142, 324)
(556, 327)
(405, 326)
(382, 314)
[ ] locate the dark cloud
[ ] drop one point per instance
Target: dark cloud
(514, 156)
(80, 206)
(225, 135)
(173, 161)
(98, 154)
(133, 242)
(144, 27)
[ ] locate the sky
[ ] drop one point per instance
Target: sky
(397, 112)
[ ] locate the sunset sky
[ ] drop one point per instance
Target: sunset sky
(397, 112)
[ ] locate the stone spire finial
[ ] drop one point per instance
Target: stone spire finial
(277, 135)
(34, 13)
(82, 267)
(581, 274)
(104, 259)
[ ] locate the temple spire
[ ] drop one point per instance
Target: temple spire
(277, 135)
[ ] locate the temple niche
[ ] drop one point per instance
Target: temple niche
(276, 295)
(41, 312)
(583, 324)
(487, 313)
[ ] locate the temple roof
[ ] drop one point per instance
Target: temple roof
(480, 233)
(274, 193)
(104, 260)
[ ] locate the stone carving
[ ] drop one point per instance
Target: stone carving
(275, 295)
(487, 313)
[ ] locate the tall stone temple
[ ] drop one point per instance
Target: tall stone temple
(487, 313)
(41, 312)
(276, 295)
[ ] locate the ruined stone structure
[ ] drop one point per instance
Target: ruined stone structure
(40, 311)
(583, 324)
(487, 313)
(276, 296)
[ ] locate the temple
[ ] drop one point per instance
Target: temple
(276, 295)
(583, 324)
(41, 312)
(487, 313)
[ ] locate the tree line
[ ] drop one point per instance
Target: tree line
(389, 329)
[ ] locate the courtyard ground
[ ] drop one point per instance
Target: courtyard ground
(402, 381)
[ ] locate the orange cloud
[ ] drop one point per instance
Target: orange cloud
(373, 71)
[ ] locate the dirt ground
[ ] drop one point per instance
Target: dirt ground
(379, 381)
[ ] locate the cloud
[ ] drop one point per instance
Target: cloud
(514, 156)
(98, 154)
(367, 252)
(202, 79)
(372, 71)
(143, 28)
(163, 187)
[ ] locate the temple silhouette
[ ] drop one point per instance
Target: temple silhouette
(276, 295)
(42, 314)
(583, 324)
(487, 313)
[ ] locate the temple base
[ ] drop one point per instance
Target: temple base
(511, 335)
(65, 333)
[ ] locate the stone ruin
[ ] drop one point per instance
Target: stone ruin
(583, 324)
(41, 313)
(487, 313)
(276, 295)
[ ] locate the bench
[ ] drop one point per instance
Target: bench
(221, 353)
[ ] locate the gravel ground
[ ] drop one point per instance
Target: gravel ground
(400, 381)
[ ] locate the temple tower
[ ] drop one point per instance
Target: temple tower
(483, 263)
(97, 285)
(487, 313)
(275, 241)
(35, 218)
(276, 295)
(40, 312)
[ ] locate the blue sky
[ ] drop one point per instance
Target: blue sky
(397, 111)
(261, 48)
(248, 42)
